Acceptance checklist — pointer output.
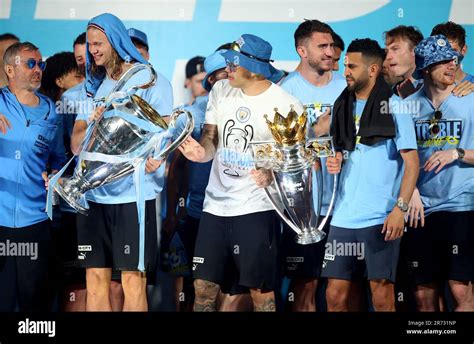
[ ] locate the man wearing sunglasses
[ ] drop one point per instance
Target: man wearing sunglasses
(444, 248)
(195, 186)
(238, 233)
(30, 142)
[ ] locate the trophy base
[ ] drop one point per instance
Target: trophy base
(77, 203)
(310, 237)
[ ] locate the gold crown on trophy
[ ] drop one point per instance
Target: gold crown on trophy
(288, 130)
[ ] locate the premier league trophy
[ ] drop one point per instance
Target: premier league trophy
(295, 161)
(129, 131)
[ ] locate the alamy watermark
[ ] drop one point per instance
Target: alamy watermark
(28, 326)
(401, 107)
(73, 107)
(19, 249)
(335, 249)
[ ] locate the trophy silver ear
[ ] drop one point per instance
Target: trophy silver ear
(131, 72)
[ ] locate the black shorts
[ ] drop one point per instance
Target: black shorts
(302, 261)
(67, 250)
(363, 252)
(441, 250)
(185, 239)
(65, 253)
(108, 237)
(188, 233)
(239, 250)
(181, 247)
(24, 268)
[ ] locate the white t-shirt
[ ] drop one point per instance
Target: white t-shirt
(231, 190)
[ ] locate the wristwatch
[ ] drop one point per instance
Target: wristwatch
(402, 205)
(461, 153)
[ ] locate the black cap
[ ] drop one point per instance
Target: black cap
(194, 66)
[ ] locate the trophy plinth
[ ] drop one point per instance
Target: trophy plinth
(310, 236)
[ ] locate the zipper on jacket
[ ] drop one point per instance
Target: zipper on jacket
(15, 222)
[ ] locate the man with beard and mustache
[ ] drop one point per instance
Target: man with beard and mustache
(376, 182)
(443, 249)
(30, 141)
(313, 83)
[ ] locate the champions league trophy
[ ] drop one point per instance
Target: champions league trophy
(119, 143)
(295, 161)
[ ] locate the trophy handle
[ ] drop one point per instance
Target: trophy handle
(324, 147)
(331, 204)
(131, 72)
(280, 211)
(126, 76)
(188, 128)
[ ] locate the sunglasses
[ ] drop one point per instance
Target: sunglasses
(434, 123)
(31, 63)
(236, 47)
(232, 66)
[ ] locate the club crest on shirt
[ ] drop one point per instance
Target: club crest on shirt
(42, 142)
(242, 114)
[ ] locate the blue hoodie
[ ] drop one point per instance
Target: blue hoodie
(118, 37)
(33, 142)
